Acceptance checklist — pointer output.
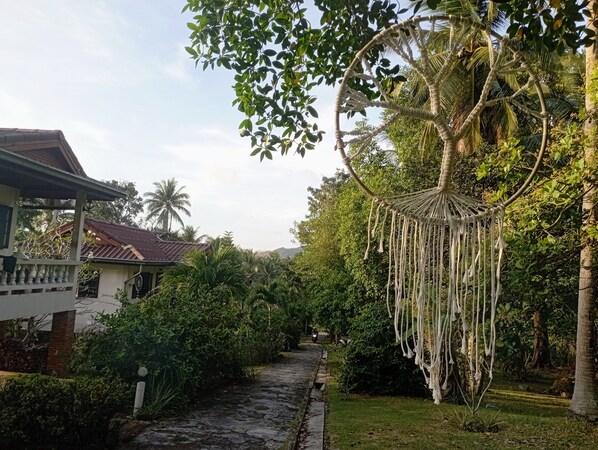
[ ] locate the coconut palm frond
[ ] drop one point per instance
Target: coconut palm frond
(166, 202)
(428, 140)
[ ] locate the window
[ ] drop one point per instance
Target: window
(89, 288)
(5, 223)
(159, 277)
(146, 285)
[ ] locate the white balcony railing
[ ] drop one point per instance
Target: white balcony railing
(39, 275)
(37, 286)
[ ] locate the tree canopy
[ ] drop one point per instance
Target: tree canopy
(281, 51)
(124, 211)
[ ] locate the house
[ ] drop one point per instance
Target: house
(40, 164)
(123, 258)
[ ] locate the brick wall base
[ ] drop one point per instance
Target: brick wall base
(62, 338)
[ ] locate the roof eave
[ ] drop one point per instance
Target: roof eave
(128, 262)
(96, 190)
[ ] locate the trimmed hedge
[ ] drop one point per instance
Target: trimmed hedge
(38, 411)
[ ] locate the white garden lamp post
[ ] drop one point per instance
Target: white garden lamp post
(140, 391)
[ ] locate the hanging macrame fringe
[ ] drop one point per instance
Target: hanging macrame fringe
(445, 253)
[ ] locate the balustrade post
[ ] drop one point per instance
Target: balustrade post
(17, 278)
(30, 271)
(50, 274)
(38, 275)
(61, 270)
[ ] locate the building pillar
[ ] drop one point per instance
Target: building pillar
(62, 338)
(77, 239)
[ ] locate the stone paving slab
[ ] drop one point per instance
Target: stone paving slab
(257, 415)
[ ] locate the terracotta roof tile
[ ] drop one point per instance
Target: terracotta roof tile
(175, 250)
(130, 244)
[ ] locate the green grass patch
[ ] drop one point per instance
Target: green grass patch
(527, 420)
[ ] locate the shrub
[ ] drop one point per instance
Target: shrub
(291, 328)
(259, 347)
(194, 337)
(163, 397)
(39, 410)
(475, 423)
(374, 362)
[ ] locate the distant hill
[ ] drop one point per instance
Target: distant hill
(284, 252)
(288, 252)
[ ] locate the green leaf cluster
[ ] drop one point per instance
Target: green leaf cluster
(280, 51)
(123, 211)
(543, 233)
(47, 412)
(556, 25)
(374, 361)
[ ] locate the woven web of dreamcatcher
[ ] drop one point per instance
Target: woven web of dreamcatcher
(444, 248)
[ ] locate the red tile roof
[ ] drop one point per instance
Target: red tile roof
(122, 243)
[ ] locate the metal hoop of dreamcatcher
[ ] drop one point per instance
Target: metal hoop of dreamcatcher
(445, 248)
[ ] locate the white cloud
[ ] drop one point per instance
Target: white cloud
(231, 190)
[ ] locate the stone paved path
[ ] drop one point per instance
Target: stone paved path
(258, 415)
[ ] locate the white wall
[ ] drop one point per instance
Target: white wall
(112, 278)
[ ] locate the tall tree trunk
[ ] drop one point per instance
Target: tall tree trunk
(541, 356)
(585, 393)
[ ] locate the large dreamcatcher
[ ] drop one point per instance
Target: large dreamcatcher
(444, 248)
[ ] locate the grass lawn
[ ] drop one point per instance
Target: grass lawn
(530, 420)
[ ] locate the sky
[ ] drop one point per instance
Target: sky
(113, 75)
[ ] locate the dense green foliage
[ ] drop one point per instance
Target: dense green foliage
(544, 234)
(536, 316)
(124, 211)
(42, 411)
(348, 293)
(214, 315)
(536, 313)
(167, 334)
(374, 361)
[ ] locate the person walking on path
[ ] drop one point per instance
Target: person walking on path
(257, 415)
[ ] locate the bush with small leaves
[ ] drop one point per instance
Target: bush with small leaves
(39, 410)
(192, 335)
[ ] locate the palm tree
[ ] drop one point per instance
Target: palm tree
(219, 269)
(189, 233)
(165, 203)
(465, 79)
